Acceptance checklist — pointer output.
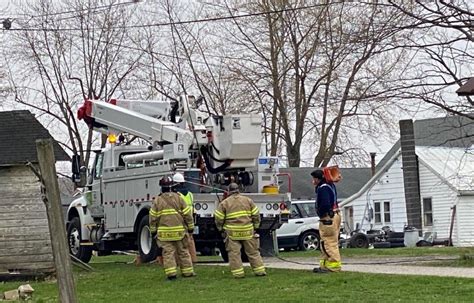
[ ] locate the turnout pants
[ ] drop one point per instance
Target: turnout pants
(233, 248)
(192, 248)
(330, 258)
(180, 250)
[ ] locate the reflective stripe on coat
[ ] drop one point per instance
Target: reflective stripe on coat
(170, 217)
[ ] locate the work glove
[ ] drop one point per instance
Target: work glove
(191, 230)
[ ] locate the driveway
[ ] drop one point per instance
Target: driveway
(380, 265)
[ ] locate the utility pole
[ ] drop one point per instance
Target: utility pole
(57, 230)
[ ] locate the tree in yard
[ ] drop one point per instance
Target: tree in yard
(444, 52)
(319, 71)
(185, 59)
(65, 52)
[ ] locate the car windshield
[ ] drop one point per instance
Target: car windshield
(308, 209)
(294, 212)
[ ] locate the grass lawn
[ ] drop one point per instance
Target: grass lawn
(116, 281)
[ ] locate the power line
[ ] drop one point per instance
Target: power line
(204, 20)
(95, 8)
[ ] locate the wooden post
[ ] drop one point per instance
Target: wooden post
(453, 217)
(57, 229)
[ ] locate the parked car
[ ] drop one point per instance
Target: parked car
(301, 231)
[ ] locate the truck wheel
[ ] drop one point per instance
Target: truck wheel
(223, 252)
(359, 240)
(225, 255)
(309, 241)
(382, 245)
(147, 246)
(243, 255)
(74, 237)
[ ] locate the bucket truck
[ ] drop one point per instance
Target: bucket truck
(211, 151)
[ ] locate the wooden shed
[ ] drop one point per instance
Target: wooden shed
(25, 244)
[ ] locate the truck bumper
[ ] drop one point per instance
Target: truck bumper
(208, 237)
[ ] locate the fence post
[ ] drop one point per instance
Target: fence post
(57, 229)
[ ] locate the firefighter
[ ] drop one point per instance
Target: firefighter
(238, 217)
(171, 221)
(329, 224)
(187, 196)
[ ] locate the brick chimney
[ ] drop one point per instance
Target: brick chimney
(372, 163)
(410, 174)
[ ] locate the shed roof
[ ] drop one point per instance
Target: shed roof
(19, 129)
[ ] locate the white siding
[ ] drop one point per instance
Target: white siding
(465, 222)
(434, 185)
(443, 198)
(389, 187)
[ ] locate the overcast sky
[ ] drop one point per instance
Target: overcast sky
(7, 10)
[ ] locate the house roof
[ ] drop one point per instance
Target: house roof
(467, 89)
(19, 129)
(451, 131)
(372, 180)
(303, 189)
(453, 165)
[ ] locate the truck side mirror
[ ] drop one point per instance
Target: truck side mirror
(76, 164)
(79, 173)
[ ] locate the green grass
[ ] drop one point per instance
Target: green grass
(465, 260)
(116, 281)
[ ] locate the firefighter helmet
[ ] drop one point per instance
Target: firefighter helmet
(178, 178)
(233, 188)
(166, 182)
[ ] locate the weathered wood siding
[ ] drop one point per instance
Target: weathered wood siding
(25, 243)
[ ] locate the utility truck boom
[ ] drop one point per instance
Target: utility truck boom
(211, 151)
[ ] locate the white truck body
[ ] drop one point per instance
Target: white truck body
(124, 179)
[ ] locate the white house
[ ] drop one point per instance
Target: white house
(428, 186)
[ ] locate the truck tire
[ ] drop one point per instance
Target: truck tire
(395, 240)
(243, 255)
(394, 234)
(74, 237)
(309, 240)
(359, 240)
(382, 245)
(225, 255)
(147, 246)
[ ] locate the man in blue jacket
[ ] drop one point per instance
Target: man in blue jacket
(329, 223)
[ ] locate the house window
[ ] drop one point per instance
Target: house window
(428, 212)
(382, 212)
